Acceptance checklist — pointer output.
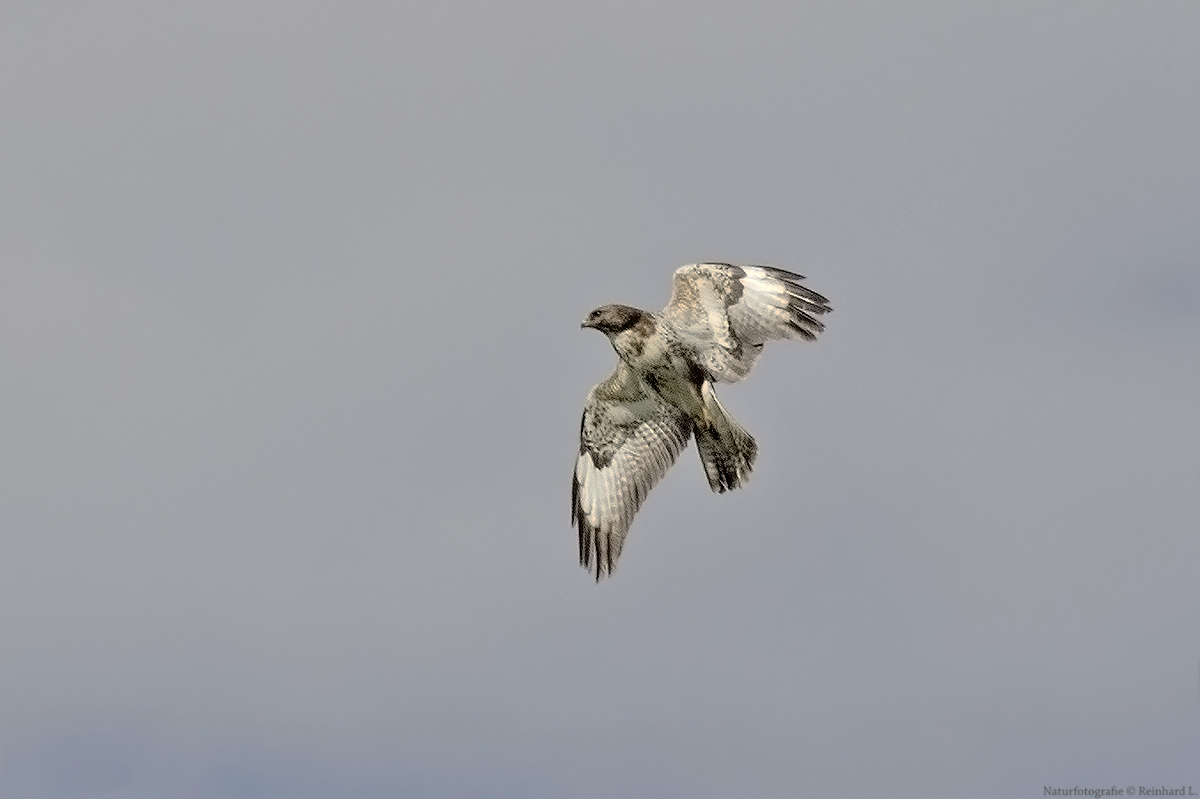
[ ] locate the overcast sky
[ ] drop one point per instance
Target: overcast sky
(292, 371)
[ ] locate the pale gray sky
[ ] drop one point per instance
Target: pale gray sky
(289, 307)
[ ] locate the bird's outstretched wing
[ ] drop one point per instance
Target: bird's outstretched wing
(628, 440)
(724, 314)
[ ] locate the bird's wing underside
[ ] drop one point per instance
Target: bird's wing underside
(628, 440)
(724, 314)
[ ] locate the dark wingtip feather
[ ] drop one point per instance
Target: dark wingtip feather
(804, 332)
(574, 498)
(802, 298)
(782, 274)
(589, 547)
(809, 301)
(805, 325)
(587, 533)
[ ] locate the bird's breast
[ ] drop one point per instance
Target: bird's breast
(671, 379)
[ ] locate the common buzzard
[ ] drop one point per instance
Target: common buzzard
(637, 421)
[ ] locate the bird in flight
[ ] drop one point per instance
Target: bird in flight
(637, 421)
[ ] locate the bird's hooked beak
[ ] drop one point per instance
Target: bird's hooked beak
(586, 323)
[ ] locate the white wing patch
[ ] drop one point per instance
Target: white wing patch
(725, 313)
(620, 459)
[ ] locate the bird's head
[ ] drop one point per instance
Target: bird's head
(610, 319)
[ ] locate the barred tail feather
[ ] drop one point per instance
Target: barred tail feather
(726, 449)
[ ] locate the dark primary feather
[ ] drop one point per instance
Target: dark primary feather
(802, 302)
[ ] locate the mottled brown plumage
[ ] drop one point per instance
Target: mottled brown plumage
(637, 421)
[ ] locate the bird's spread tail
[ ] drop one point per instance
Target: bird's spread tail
(726, 450)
